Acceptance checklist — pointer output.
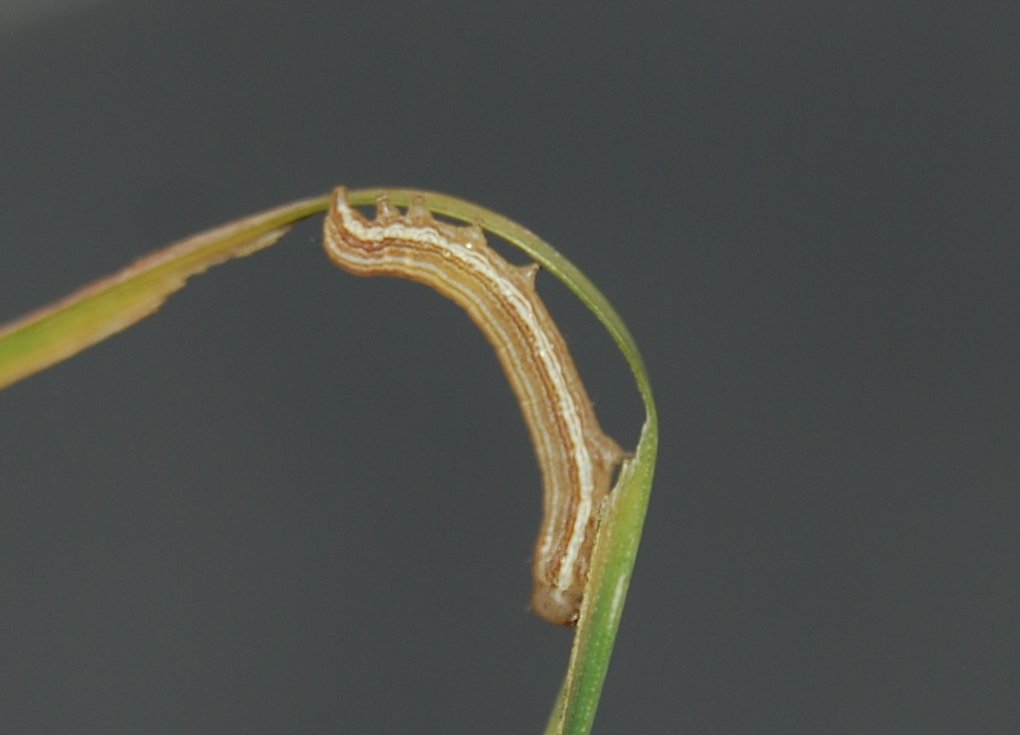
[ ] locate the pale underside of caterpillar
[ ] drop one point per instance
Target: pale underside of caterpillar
(576, 458)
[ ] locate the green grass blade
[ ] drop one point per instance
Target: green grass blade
(620, 530)
(101, 309)
(56, 332)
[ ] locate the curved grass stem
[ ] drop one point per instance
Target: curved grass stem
(97, 311)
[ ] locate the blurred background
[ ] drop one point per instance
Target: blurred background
(298, 501)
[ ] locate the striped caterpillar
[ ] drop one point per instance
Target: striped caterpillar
(576, 457)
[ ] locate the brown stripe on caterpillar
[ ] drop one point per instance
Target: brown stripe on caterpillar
(575, 456)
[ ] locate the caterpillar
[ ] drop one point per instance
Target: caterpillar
(576, 458)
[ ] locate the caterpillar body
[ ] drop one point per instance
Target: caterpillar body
(575, 456)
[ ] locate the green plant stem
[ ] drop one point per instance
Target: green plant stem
(87, 316)
(623, 517)
(82, 319)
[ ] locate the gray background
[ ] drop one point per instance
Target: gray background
(297, 501)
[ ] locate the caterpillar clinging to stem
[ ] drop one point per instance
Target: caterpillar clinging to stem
(576, 457)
